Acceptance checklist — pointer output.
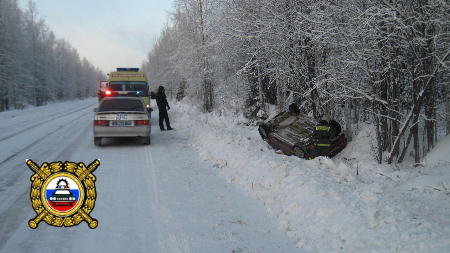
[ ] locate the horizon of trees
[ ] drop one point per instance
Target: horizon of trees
(35, 66)
(379, 61)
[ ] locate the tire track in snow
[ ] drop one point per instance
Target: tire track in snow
(40, 139)
(170, 233)
(45, 121)
(12, 216)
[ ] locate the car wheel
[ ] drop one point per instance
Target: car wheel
(97, 141)
(264, 131)
(145, 140)
(299, 151)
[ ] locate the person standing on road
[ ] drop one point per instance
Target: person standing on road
(161, 101)
(322, 136)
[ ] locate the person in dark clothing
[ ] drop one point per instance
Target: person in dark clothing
(161, 101)
(322, 136)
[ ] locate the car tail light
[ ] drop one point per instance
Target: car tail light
(108, 92)
(101, 123)
(142, 122)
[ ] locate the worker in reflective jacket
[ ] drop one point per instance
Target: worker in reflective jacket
(322, 136)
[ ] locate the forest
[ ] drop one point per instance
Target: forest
(379, 62)
(35, 66)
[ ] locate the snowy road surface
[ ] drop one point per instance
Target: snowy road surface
(156, 198)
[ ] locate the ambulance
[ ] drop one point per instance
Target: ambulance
(128, 82)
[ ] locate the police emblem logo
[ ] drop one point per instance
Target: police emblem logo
(63, 195)
(60, 197)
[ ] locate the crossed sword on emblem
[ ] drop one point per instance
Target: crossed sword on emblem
(43, 172)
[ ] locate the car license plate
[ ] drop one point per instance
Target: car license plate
(121, 123)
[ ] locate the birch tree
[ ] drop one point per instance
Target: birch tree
(191, 20)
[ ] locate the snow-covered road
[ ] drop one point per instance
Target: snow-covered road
(157, 198)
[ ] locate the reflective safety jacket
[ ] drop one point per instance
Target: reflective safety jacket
(323, 134)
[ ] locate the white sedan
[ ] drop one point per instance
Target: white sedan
(121, 117)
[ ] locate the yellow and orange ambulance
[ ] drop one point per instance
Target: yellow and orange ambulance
(128, 82)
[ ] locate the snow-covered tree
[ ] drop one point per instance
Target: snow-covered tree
(378, 61)
(35, 67)
(12, 54)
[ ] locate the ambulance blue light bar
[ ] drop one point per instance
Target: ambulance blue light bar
(128, 69)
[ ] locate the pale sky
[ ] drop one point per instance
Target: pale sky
(109, 33)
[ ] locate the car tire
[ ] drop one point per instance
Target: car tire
(264, 130)
(299, 152)
(145, 140)
(97, 141)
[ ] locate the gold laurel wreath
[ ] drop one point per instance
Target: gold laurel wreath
(83, 173)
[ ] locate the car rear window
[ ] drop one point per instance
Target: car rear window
(121, 105)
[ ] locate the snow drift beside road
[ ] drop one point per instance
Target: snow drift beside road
(440, 153)
(345, 204)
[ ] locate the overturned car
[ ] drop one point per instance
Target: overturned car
(291, 132)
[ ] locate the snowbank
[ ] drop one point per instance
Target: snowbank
(345, 204)
(440, 154)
